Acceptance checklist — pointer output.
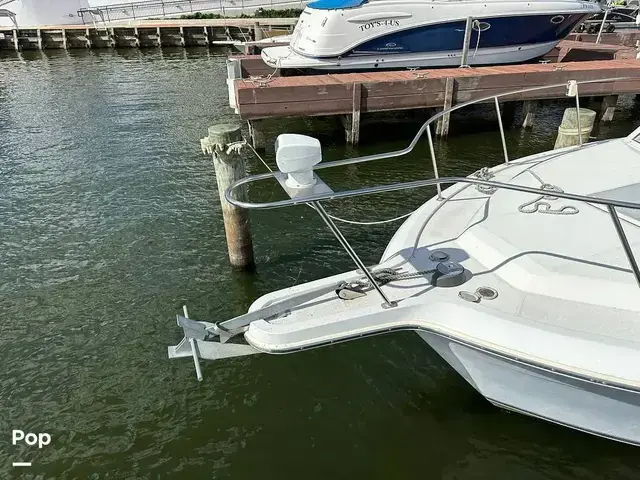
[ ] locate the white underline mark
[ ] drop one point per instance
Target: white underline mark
(21, 464)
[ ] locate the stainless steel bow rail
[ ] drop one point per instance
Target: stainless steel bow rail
(226, 330)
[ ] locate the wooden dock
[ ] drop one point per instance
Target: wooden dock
(240, 33)
(258, 93)
(627, 37)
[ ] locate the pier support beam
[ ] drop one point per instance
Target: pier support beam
(529, 109)
(442, 126)
(351, 122)
(257, 32)
(39, 39)
(16, 43)
(64, 38)
(224, 143)
(608, 108)
(256, 134)
(206, 35)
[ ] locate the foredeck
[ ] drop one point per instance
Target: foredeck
(567, 298)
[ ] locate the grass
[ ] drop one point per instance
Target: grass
(259, 13)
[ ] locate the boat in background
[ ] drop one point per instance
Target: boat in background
(39, 13)
(35, 13)
(612, 17)
(377, 34)
(541, 319)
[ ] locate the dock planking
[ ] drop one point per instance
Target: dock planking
(332, 94)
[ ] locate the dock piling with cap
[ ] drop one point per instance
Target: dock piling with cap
(572, 132)
(224, 143)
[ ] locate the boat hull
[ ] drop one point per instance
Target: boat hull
(283, 57)
(582, 404)
(395, 34)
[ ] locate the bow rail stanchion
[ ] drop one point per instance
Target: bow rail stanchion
(465, 43)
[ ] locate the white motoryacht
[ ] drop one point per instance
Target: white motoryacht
(378, 34)
(521, 276)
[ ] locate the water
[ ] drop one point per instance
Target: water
(110, 221)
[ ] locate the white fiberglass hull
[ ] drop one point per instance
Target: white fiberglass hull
(356, 34)
(283, 57)
(581, 404)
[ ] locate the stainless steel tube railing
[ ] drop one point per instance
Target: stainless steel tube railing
(314, 200)
(609, 204)
(434, 118)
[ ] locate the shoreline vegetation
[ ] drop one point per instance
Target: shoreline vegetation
(259, 13)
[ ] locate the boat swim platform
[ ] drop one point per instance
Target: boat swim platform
(244, 34)
(262, 95)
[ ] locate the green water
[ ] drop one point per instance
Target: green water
(110, 221)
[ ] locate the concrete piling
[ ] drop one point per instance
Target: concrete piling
(224, 143)
(257, 32)
(568, 129)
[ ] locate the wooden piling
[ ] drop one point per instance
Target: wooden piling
(256, 134)
(529, 109)
(568, 129)
(88, 38)
(352, 123)
(442, 126)
(224, 143)
(608, 108)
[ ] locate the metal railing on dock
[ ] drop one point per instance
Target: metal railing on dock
(175, 8)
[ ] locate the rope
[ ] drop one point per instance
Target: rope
(537, 205)
(379, 222)
(338, 219)
(384, 276)
(262, 81)
(485, 174)
(236, 147)
(476, 23)
(259, 156)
